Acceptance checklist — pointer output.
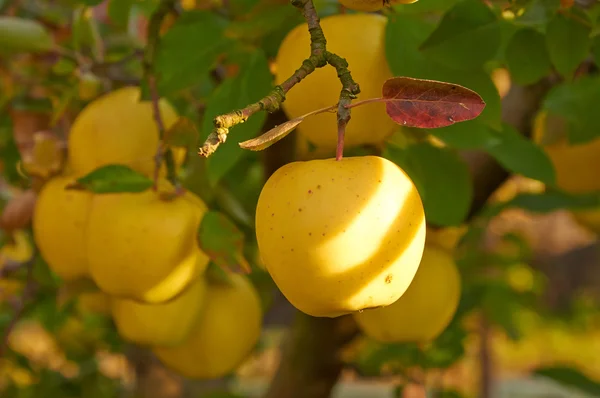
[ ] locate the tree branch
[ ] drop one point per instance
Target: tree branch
(319, 57)
(163, 152)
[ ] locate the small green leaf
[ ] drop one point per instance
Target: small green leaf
(113, 178)
(568, 43)
(222, 242)
(442, 179)
(520, 155)
(527, 44)
(252, 83)
(570, 377)
(23, 35)
(468, 35)
(189, 50)
(577, 103)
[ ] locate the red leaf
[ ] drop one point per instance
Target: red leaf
(429, 103)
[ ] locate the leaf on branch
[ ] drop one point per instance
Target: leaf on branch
(469, 25)
(568, 43)
(189, 49)
(222, 242)
(112, 178)
(272, 136)
(277, 133)
(428, 103)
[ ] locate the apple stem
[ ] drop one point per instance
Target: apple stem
(339, 153)
(364, 102)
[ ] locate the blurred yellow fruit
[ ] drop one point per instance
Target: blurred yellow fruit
(425, 310)
(359, 38)
(372, 5)
(577, 165)
(142, 247)
(59, 224)
(520, 277)
(117, 128)
(164, 324)
(340, 236)
(224, 335)
(304, 151)
(446, 238)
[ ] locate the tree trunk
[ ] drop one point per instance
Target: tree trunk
(311, 363)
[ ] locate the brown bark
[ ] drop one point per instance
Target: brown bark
(311, 363)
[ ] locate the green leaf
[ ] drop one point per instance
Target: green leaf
(189, 50)
(468, 35)
(471, 134)
(113, 178)
(570, 377)
(252, 83)
(442, 179)
(262, 23)
(23, 35)
(119, 11)
(527, 44)
(520, 155)
(403, 35)
(222, 242)
(568, 43)
(577, 103)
